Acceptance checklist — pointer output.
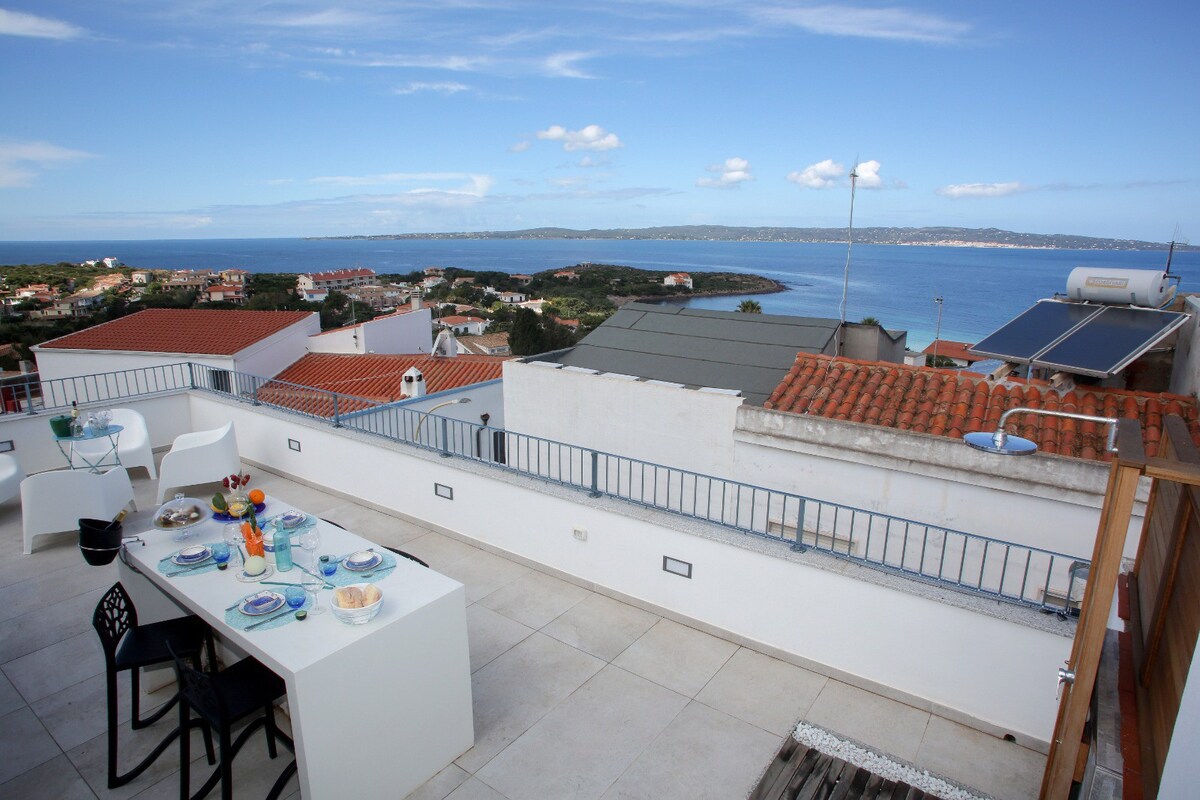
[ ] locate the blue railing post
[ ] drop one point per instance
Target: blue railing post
(595, 492)
(799, 546)
(337, 418)
(191, 375)
(445, 438)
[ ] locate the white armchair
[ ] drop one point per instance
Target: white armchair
(54, 501)
(11, 476)
(133, 443)
(199, 457)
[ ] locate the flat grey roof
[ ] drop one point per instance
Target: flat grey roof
(721, 349)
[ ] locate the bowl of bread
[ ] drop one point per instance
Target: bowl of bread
(358, 603)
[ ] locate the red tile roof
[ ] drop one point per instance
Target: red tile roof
(188, 331)
(955, 350)
(949, 403)
(373, 377)
(342, 273)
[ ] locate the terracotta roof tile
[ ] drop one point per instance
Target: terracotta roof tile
(342, 273)
(950, 349)
(187, 331)
(375, 378)
(949, 403)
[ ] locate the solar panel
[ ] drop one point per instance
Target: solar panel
(1034, 330)
(1110, 341)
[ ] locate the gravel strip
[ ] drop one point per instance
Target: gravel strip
(889, 768)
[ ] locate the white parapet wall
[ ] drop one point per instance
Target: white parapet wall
(925, 647)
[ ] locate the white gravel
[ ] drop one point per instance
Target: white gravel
(825, 742)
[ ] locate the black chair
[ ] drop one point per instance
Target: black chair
(221, 699)
(130, 646)
(400, 553)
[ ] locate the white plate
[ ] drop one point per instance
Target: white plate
(360, 566)
(266, 573)
(196, 554)
(291, 519)
(256, 605)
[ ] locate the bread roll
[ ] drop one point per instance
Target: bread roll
(348, 597)
(371, 594)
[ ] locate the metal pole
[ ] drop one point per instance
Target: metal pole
(595, 475)
(937, 337)
(846, 272)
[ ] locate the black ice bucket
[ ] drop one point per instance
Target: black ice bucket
(99, 541)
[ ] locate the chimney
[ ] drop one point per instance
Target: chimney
(26, 367)
(413, 383)
(415, 300)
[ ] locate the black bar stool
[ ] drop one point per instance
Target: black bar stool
(409, 556)
(130, 646)
(221, 699)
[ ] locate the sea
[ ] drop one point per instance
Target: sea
(981, 287)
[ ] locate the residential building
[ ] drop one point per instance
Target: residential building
(536, 306)
(573, 324)
(141, 277)
(35, 290)
(522, 279)
(224, 293)
(678, 279)
(404, 332)
(336, 280)
(463, 282)
(234, 276)
(434, 272)
(488, 344)
(378, 297)
(955, 351)
(432, 281)
(567, 274)
(313, 295)
(463, 325)
(512, 298)
(189, 279)
(256, 342)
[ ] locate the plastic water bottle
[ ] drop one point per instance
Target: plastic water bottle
(283, 550)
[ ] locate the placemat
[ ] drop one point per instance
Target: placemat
(240, 621)
(346, 577)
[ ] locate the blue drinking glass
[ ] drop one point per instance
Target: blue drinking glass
(328, 566)
(294, 595)
(220, 554)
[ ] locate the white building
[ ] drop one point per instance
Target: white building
(678, 279)
(336, 280)
(512, 298)
(463, 326)
(403, 332)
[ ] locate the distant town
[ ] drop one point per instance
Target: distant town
(937, 237)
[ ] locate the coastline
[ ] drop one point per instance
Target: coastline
(776, 289)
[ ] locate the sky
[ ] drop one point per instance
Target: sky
(138, 119)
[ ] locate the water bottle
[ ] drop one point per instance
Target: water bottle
(283, 550)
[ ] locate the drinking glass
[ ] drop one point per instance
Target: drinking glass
(310, 540)
(314, 584)
(220, 554)
(232, 536)
(328, 566)
(294, 596)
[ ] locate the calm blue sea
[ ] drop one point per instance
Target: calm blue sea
(982, 287)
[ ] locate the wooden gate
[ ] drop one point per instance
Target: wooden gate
(1164, 593)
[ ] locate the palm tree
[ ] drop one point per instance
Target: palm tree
(868, 321)
(749, 307)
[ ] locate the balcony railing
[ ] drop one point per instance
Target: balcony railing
(981, 565)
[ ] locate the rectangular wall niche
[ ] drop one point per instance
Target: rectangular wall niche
(442, 490)
(294, 444)
(677, 567)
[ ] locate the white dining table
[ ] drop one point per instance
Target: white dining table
(376, 709)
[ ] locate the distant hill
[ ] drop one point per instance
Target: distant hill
(949, 237)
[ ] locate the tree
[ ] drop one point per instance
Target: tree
(941, 362)
(749, 307)
(525, 338)
(868, 321)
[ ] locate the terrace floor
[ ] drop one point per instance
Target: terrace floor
(575, 694)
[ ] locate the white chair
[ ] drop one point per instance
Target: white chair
(54, 501)
(199, 457)
(11, 476)
(133, 443)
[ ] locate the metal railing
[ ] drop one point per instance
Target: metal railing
(942, 556)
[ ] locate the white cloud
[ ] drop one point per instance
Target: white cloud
(439, 87)
(868, 174)
(590, 137)
(16, 23)
(957, 190)
(732, 173)
(467, 183)
(821, 175)
(520, 147)
(871, 23)
(316, 75)
(20, 162)
(562, 65)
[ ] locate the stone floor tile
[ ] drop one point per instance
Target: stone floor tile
(10, 698)
(874, 720)
(475, 789)
(535, 599)
(371, 524)
(676, 656)
(491, 634)
(79, 713)
(437, 550)
(55, 779)
(601, 626)
(483, 573)
(44, 588)
(56, 667)
(24, 744)
(518, 688)
(1005, 770)
(440, 785)
(581, 747)
(49, 625)
(91, 759)
(15, 567)
(703, 754)
(763, 691)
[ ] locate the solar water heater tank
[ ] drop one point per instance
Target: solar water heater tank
(1147, 288)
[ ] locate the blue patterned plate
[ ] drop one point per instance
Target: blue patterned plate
(261, 603)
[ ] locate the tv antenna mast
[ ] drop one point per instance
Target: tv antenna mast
(849, 247)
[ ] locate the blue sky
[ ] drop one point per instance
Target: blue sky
(135, 119)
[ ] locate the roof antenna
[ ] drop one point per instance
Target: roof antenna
(1171, 249)
(849, 247)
